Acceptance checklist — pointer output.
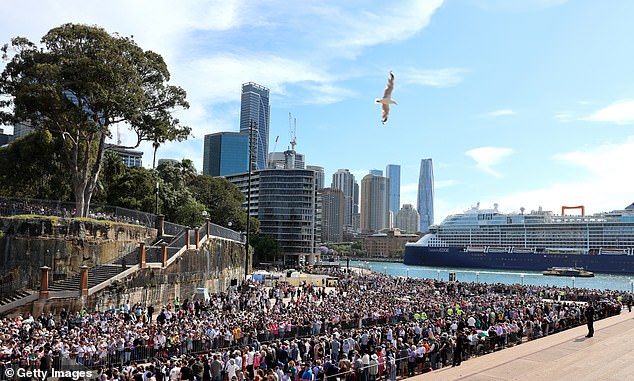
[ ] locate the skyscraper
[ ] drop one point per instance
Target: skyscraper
(319, 176)
(225, 153)
(254, 106)
(376, 172)
(374, 203)
(426, 194)
(393, 172)
(408, 219)
(344, 181)
(332, 215)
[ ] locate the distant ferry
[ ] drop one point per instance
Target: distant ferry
(569, 271)
(536, 241)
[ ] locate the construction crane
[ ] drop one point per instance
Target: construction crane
(292, 124)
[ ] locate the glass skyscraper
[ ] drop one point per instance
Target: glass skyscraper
(426, 194)
(225, 153)
(393, 173)
(254, 106)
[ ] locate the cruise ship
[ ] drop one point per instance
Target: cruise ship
(489, 239)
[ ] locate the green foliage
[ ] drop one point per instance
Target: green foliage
(78, 85)
(133, 189)
(266, 248)
(31, 167)
(222, 199)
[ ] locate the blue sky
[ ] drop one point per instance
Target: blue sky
(520, 103)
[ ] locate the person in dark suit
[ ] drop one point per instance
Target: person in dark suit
(590, 319)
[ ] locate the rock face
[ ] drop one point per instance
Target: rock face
(26, 244)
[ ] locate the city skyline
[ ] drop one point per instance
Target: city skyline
(524, 104)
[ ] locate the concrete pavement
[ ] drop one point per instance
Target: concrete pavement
(568, 355)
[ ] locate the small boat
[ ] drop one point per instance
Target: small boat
(569, 271)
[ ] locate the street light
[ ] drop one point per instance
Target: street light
(573, 282)
(438, 275)
(407, 272)
(522, 278)
(632, 285)
(385, 270)
(156, 199)
(246, 257)
(477, 277)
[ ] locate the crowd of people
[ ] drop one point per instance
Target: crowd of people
(12, 208)
(369, 326)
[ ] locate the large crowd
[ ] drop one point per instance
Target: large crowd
(369, 326)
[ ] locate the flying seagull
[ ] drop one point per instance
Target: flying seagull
(387, 98)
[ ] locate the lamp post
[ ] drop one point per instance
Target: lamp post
(385, 270)
(407, 272)
(477, 277)
(573, 282)
(632, 285)
(438, 275)
(156, 198)
(522, 278)
(246, 257)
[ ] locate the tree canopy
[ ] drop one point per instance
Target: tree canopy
(81, 83)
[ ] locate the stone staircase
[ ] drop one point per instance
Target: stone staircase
(19, 294)
(96, 275)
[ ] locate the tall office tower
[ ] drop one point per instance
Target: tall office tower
(226, 153)
(374, 203)
(393, 172)
(331, 214)
(344, 181)
(319, 175)
(254, 106)
(408, 219)
(376, 172)
(426, 195)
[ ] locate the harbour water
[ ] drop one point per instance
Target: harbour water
(599, 281)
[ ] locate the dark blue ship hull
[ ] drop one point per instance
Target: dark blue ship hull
(458, 257)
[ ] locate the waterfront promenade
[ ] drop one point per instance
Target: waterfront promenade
(567, 355)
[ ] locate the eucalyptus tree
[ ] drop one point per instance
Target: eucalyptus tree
(79, 85)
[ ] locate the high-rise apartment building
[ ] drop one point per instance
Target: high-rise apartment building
(426, 194)
(319, 175)
(331, 214)
(376, 172)
(344, 181)
(393, 172)
(254, 106)
(374, 203)
(408, 219)
(225, 153)
(283, 200)
(130, 158)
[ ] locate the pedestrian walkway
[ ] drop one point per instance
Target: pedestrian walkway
(567, 355)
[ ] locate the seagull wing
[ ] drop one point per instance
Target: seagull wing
(386, 112)
(390, 86)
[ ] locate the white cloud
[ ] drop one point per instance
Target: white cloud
(620, 112)
(498, 113)
(447, 77)
(487, 157)
(564, 116)
(603, 186)
(354, 29)
(517, 6)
